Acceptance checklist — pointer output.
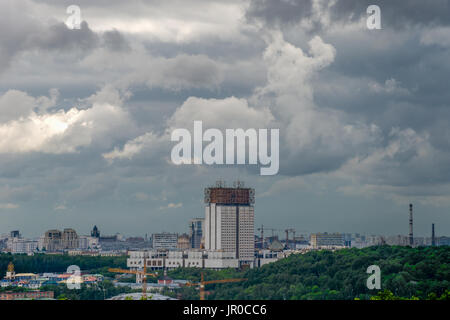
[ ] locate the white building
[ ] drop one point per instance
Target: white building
(87, 242)
(327, 240)
(230, 228)
(21, 245)
(165, 240)
(171, 259)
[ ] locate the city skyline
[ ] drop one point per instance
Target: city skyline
(86, 114)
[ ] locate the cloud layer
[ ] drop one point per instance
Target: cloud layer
(86, 115)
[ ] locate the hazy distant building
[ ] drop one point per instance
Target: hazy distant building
(135, 239)
(95, 232)
(301, 242)
(20, 245)
(103, 239)
(14, 234)
(56, 240)
(52, 240)
(165, 240)
(184, 242)
(229, 221)
(323, 240)
(69, 239)
(276, 245)
(86, 242)
(196, 232)
(443, 241)
(397, 240)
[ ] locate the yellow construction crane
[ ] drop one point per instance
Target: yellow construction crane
(142, 273)
(202, 284)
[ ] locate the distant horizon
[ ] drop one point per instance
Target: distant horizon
(359, 113)
(280, 234)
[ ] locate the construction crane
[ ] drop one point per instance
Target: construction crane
(142, 273)
(203, 283)
(262, 234)
(287, 236)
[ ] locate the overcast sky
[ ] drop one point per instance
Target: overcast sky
(86, 115)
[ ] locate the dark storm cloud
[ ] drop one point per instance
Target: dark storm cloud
(59, 37)
(22, 32)
(115, 41)
(279, 11)
(390, 79)
(394, 13)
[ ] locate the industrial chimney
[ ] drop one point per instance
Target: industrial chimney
(411, 237)
(433, 239)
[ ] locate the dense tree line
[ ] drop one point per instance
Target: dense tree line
(422, 273)
(406, 273)
(40, 263)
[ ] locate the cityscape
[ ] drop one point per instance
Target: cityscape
(226, 237)
(237, 158)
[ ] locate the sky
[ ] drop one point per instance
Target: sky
(86, 114)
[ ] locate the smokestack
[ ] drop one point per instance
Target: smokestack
(411, 237)
(433, 239)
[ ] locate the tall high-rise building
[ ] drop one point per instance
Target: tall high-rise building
(196, 232)
(229, 221)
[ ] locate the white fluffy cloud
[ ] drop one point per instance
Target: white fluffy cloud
(230, 112)
(214, 113)
(289, 96)
(135, 146)
(60, 131)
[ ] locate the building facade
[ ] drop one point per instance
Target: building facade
(184, 242)
(171, 259)
(26, 295)
(165, 240)
(20, 245)
(56, 240)
(70, 239)
(196, 227)
(327, 240)
(52, 240)
(229, 222)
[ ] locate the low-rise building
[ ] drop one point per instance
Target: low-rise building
(171, 259)
(327, 240)
(20, 245)
(26, 295)
(165, 240)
